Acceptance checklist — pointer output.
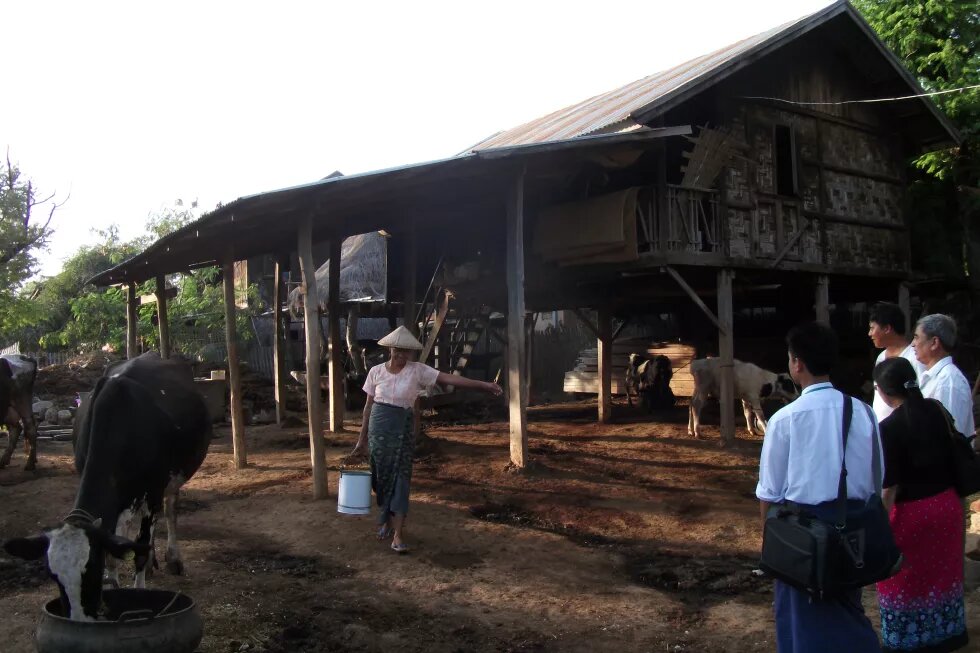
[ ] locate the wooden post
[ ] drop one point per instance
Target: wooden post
(279, 338)
(409, 275)
(905, 303)
(516, 381)
(234, 372)
(334, 351)
(822, 303)
(726, 351)
(132, 321)
(162, 319)
(312, 322)
(604, 319)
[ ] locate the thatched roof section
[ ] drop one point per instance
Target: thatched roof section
(363, 272)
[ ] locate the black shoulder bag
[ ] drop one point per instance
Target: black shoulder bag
(966, 465)
(828, 559)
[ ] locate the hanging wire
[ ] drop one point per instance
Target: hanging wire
(871, 101)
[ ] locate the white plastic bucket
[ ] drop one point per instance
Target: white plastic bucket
(354, 496)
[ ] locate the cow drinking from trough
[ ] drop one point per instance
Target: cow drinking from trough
(143, 433)
(752, 384)
(17, 376)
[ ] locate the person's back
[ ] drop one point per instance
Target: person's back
(922, 605)
(801, 464)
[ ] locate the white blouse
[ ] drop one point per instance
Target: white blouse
(400, 389)
(883, 410)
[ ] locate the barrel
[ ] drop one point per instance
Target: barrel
(354, 495)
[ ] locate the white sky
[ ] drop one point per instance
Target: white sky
(129, 107)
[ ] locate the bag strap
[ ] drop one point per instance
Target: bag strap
(842, 483)
(949, 419)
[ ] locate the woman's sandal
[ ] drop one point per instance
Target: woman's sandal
(399, 548)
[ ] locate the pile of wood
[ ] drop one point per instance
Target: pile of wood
(585, 376)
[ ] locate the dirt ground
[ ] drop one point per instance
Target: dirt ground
(626, 537)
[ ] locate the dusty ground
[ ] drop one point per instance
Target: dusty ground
(629, 537)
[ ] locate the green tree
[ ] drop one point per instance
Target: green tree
(25, 226)
(82, 317)
(937, 40)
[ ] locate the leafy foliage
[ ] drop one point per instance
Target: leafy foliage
(937, 40)
(71, 314)
(24, 230)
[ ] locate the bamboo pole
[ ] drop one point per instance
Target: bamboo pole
(312, 322)
(336, 360)
(726, 351)
(279, 364)
(132, 321)
(605, 364)
(163, 321)
(516, 380)
(234, 371)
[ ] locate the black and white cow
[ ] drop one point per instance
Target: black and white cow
(752, 384)
(17, 376)
(143, 433)
(649, 379)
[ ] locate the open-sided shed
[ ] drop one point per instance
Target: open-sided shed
(785, 179)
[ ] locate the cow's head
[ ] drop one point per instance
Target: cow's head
(781, 388)
(76, 553)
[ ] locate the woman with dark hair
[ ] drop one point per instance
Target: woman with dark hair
(921, 606)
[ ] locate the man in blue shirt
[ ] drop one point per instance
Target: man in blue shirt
(801, 463)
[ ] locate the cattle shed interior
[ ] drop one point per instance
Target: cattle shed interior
(702, 192)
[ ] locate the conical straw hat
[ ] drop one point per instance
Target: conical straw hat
(400, 338)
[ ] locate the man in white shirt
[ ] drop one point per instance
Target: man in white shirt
(886, 328)
(801, 463)
(935, 337)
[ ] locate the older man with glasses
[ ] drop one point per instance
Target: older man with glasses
(934, 339)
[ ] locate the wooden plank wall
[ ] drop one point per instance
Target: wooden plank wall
(584, 377)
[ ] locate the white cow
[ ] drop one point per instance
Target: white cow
(752, 384)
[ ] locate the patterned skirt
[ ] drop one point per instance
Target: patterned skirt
(922, 605)
(391, 438)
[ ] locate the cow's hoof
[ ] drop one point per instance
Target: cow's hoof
(175, 567)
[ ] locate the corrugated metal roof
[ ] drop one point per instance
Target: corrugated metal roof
(614, 110)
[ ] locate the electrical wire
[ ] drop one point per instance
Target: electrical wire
(870, 101)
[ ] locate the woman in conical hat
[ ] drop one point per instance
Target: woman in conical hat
(387, 428)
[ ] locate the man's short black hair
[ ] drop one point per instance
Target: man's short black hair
(888, 315)
(815, 344)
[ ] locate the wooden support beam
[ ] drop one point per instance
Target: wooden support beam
(605, 365)
(516, 381)
(279, 337)
(163, 322)
(234, 371)
(334, 350)
(822, 300)
(905, 303)
(132, 321)
(312, 321)
(409, 276)
(586, 321)
(697, 300)
(621, 326)
(726, 351)
(441, 312)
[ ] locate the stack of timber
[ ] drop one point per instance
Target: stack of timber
(585, 376)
